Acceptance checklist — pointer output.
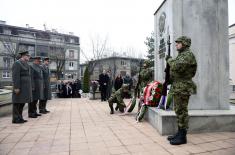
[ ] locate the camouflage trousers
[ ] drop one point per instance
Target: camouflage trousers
(181, 110)
(113, 100)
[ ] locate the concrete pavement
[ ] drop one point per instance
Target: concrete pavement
(85, 127)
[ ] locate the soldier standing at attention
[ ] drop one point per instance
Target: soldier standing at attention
(182, 70)
(37, 87)
(22, 86)
(47, 86)
(117, 97)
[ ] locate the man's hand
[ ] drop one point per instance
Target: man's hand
(17, 91)
(167, 57)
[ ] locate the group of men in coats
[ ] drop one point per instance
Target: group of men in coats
(31, 84)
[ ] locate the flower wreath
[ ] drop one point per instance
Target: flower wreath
(152, 93)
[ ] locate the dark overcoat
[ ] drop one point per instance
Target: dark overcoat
(38, 83)
(46, 79)
(21, 76)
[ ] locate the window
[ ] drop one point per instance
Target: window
(71, 54)
(6, 31)
(72, 40)
(233, 88)
(5, 74)
(123, 63)
(6, 62)
(70, 64)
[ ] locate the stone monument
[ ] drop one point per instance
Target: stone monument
(206, 23)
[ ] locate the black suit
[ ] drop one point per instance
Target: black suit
(103, 81)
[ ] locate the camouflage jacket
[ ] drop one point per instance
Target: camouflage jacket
(119, 95)
(146, 76)
(182, 70)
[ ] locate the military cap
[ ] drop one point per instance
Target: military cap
(46, 58)
(184, 40)
(23, 53)
(36, 57)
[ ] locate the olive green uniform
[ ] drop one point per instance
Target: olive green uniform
(37, 87)
(47, 88)
(21, 76)
(118, 97)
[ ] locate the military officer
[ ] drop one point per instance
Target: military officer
(22, 92)
(47, 88)
(182, 70)
(37, 87)
(117, 97)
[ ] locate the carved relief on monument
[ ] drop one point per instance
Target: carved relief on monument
(162, 43)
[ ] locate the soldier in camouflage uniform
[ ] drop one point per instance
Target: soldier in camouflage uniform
(117, 97)
(182, 70)
(146, 74)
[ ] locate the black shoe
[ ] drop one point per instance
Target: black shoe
(111, 112)
(47, 111)
(38, 114)
(24, 120)
(180, 138)
(32, 116)
(17, 121)
(42, 112)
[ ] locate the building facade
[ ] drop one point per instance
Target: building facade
(117, 65)
(63, 50)
(232, 56)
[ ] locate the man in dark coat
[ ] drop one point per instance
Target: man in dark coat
(22, 86)
(109, 85)
(78, 87)
(118, 82)
(37, 86)
(47, 86)
(103, 80)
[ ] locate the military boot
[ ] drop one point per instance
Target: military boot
(173, 136)
(180, 138)
(111, 109)
(116, 108)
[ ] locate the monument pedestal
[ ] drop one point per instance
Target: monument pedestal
(206, 23)
(199, 121)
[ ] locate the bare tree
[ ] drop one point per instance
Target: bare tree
(98, 46)
(10, 47)
(58, 55)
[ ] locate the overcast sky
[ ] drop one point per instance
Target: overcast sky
(126, 23)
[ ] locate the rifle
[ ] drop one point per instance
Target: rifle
(162, 104)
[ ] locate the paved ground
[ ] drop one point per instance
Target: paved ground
(81, 126)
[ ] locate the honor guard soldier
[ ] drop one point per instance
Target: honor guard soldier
(182, 70)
